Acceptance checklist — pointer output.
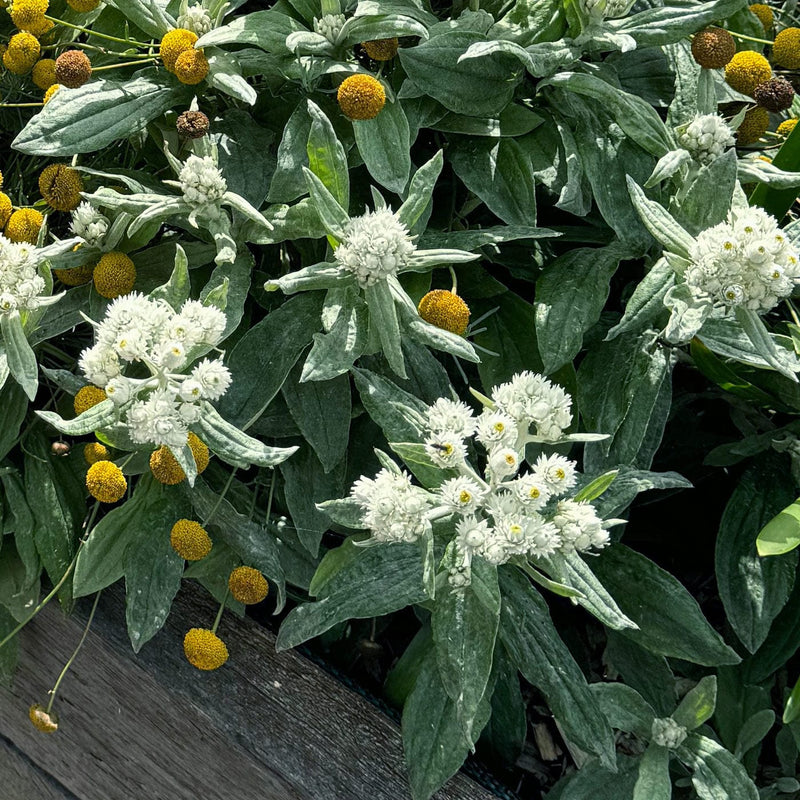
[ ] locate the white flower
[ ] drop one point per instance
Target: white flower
(556, 473)
(201, 181)
(375, 246)
(496, 429)
(530, 491)
(329, 26)
(473, 533)
(213, 377)
(746, 261)
(706, 137)
(21, 286)
(119, 389)
(89, 224)
(543, 537)
(196, 19)
(667, 733)
(156, 421)
(531, 399)
(462, 494)
(503, 462)
(445, 449)
(451, 415)
(580, 527)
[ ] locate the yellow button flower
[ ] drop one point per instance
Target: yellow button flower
(61, 187)
(204, 649)
(754, 126)
(445, 310)
(44, 73)
(764, 14)
(24, 225)
(94, 452)
(114, 275)
(167, 470)
(83, 6)
(746, 70)
(786, 49)
(174, 43)
(6, 209)
(361, 97)
(105, 482)
(786, 127)
(22, 53)
(28, 15)
(87, 397)
(247, 585)
(190, 540)
(381, 49)
(48, 95)
(191, 67)
(76, 276)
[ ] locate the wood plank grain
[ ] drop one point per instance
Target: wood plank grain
(268, 725)
(21, 779)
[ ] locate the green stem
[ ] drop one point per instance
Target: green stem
(749, 38)
(271, 495)
(221, 609)
(220, 498)
(96, 33)
(121, 64)
(21, 105)
(454, 290)
(74, 655)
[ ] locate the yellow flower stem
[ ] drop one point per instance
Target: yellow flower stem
(74, 655)
(21, 105)
(221, 609)
(102, 50)
(749, 38)
(454, 290)
(96, 33)
(271, 495)
(220, 498)
(122, 64)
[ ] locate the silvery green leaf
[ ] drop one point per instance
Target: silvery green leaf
(384, 144)
(754, 327)
(225, 74)
(148, 15)
(715, 772)
(380, 26)
(653, 781)
(176, 290)
(667, 166)
(326, 155)
(425, 260)
(266, 29)
(57, 248)
(707, 92)
(345, 511)
(420, 191)
(309, 42)
(235, 446)
(647, 300)
(243, 207)
(383, 321)
(95, 418)
(333, 216)
(688, 314)
(318, 276)
(756, 170)
(185, 458)
(219, 226)
(660, 222)
(20, 358)
(131, 203)
(158, 212)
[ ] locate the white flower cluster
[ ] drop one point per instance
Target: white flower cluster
(746, 261)
(89, 224)
(157, 409)
(201, 181)
(196, 19)
(667, 733)
(502, 513)
(21, 286)
(329, 26)
(375, 246)
(706, 137)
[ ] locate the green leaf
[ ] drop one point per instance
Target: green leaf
(99, 112)
(654, 782)
(384, 325)
(20, 357)
(9, 653)
(792, 710)
(778, 201)
(646, 303)
(99, 416)
(506, 731)
(14, 404)
(755, 728)
(288, 182)
(420, 191)
(265, 29)
(764, 343)
(660, 222)
(331, 213)
(717, 775)
(464, 622)
(543, 659)
(624, 708)
(570, 294)
(147, 15)
(383, 143)
(596, 487)
(377, 580)
(754, 590)
(326, 156)
(643, 590)
(476, 87)
(594, 782)
(264, 356)
(433, 741)
(698, 704)
(176, 290)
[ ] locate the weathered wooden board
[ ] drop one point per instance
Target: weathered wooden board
(21, 779)
(267, 726)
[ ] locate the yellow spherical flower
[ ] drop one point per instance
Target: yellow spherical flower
(764, 14)
(28, 15)
(381, 49)
(61, 187)
(73, 69)
(247, 585)
(754, 126)
(83, 6)
(1, 179)
(41, 27)
(191, 67)
(44, 73)
(167, 470)
(746, 70)
(361, 97)
(114, 275)
(94, 452)
(22, 53)
(76, 276)
(105, 482)
(43, 720)
(87, 397)
(445, 310)
(174, 43)
(786, 49)
(48, 95)
(786, 127)
(6, 209)
(204, 649)
(190, 540)
(24, 225)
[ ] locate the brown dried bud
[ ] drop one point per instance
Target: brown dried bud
(44, 721)
(193, 124)
(60, 449)
(775, 95)
(73, 69)
(713, 48)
